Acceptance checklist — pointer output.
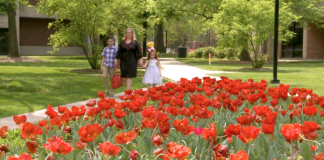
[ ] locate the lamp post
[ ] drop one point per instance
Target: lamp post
(275, 47)
(145, 30)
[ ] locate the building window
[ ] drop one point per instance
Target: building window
(4, 41)
(294, 48)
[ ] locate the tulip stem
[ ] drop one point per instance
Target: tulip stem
(180, 138)
(25, 142)
(249, 148)
(291, 150)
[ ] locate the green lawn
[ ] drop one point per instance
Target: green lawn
(26, 87)
(308, 75)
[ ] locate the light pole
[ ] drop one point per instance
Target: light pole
(275, 45)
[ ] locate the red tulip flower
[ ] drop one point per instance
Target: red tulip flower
(241, 155)
(120, 124)
(3, 132)
(109, 149)
(157, 140)
(182, 126)
(32, 147)
(133, 154)
(23, 156)
(310, 126)
(125, 137)
(175, 150)
(20, 119)
(29, 131)
(267, 128)
(51, 112)
(210, 133)
(57, 145)
(310, 110)
(291, 131)
(248, 134)
(80, 145)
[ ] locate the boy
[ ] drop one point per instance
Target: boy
(108, 63)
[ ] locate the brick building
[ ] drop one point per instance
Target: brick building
(32, 33)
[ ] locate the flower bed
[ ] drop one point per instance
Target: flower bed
(193, 119)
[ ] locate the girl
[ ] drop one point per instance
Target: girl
(152, 74)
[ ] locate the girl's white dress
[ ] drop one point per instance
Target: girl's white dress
(152, 74)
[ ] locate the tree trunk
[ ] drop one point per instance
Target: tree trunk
(159, 40)
(13, 41)
(245, 56)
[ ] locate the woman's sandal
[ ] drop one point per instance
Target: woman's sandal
(106, 93)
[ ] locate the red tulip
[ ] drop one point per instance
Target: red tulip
(61, 109)
(3, 132)
(290, 131)
(80, 145)
(125, 137)
(57, 145)
(29, 130)
(313, 148)
(20, 119)
(109, 149)
(221, 150)
(283, 112)
(175, 150)
(50, 112)
(91, 103)
(133, 154)
(241, 155)
(232, 130)
(120, 124)
(91, 111)
(248, 134)
(32, 147)
(182, 126)
(101, 94)
(267, 128)
(310, 110)
(210, 133)
(23, 156)
(157, 140)
(309, 126)
(118, 113)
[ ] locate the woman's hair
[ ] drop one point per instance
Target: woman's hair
(134, 36)
(149, 54)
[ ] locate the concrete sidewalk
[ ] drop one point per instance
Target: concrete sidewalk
(172, 69)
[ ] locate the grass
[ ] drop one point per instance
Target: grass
(309, 75)
(27, 87)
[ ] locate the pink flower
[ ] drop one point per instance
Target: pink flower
(198, 131)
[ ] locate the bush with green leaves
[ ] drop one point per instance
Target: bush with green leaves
(208, 50)
(199, 52)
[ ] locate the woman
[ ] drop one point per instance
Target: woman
(128, 56)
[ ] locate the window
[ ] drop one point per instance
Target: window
(4, 41)
(294, 48)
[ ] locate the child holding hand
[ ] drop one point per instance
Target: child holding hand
(152, 74)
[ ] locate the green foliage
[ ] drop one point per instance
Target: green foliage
(87, 20)
(251, 24)
(199, 52)
(208, 50)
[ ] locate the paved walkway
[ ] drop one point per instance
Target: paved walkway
(172, 69)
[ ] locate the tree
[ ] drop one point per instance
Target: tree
(246, 24)
(88, 19)
(12, 28)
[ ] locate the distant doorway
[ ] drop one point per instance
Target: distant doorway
(4, 41)
(294, 48)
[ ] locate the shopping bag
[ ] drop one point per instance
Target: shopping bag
(116, 80)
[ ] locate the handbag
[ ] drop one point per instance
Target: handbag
(116, 80)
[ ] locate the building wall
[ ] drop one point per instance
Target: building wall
(34, 31)
(315, 42)
(3, 21)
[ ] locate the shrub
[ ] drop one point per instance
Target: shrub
(199, 52)
(210, 50)
(220, 54)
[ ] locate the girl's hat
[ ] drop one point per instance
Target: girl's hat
(150, 44)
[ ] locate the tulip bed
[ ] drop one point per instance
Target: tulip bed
(192, 119)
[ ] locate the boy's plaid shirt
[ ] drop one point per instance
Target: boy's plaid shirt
(109, 54)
